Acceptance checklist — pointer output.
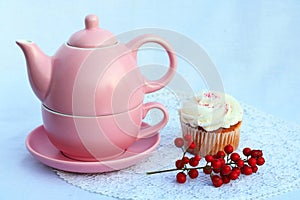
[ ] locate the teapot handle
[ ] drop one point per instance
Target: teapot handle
(135, 44)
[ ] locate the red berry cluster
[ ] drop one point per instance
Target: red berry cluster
(227, 165)
(222, 167)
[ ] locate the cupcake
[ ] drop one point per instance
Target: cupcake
(213, 119)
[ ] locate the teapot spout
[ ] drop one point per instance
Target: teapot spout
(39, 68)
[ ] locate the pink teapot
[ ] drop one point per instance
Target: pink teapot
(91, 71)
(92, 92)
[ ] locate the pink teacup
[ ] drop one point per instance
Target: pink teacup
(101, 137)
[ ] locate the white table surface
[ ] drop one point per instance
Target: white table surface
(255, 46)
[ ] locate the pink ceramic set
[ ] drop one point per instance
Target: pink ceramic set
(92, 95)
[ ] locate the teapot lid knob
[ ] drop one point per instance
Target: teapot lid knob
(91, 22)
(92, 36)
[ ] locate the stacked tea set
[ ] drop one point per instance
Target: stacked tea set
(92, 95)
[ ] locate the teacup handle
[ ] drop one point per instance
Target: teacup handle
(151, 130)
(135, 44)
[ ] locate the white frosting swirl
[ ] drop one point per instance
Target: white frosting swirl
(211, 111)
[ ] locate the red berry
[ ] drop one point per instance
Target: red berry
(179, 142)
(255, 153)
(236, 170)
(240, 163)
(221, 154)
(235, 157)
(217, 182)
(216, 164)
(179, 164)
(254, 169)
(217, 170)
(228, 149)
(226, 170)
(198, 157)
(192, 145)
(193, 162)
(193, 173)
(207, 170)
(233, 175)
(209, 158)
(215, 178)
(225, 179)
(181, 177)
(260, 161)
(185, 160)
(252, 162)
(222, 160)
(187, 137)
(247, 170)
(247, 151)
(259, 153)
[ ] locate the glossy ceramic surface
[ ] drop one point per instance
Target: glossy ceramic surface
(93, 74)
(42, 149)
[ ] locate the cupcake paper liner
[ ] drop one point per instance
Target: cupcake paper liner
(211, 142)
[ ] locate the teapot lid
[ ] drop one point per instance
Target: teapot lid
(92, 36)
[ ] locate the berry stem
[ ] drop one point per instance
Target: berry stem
(184, 151)
(175, 169)
(227, 158)
(162, 171)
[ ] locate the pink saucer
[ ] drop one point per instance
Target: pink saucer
(42, 149)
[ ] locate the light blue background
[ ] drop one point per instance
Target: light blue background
(254, 44)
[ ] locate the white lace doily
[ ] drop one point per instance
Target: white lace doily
(278, 139)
